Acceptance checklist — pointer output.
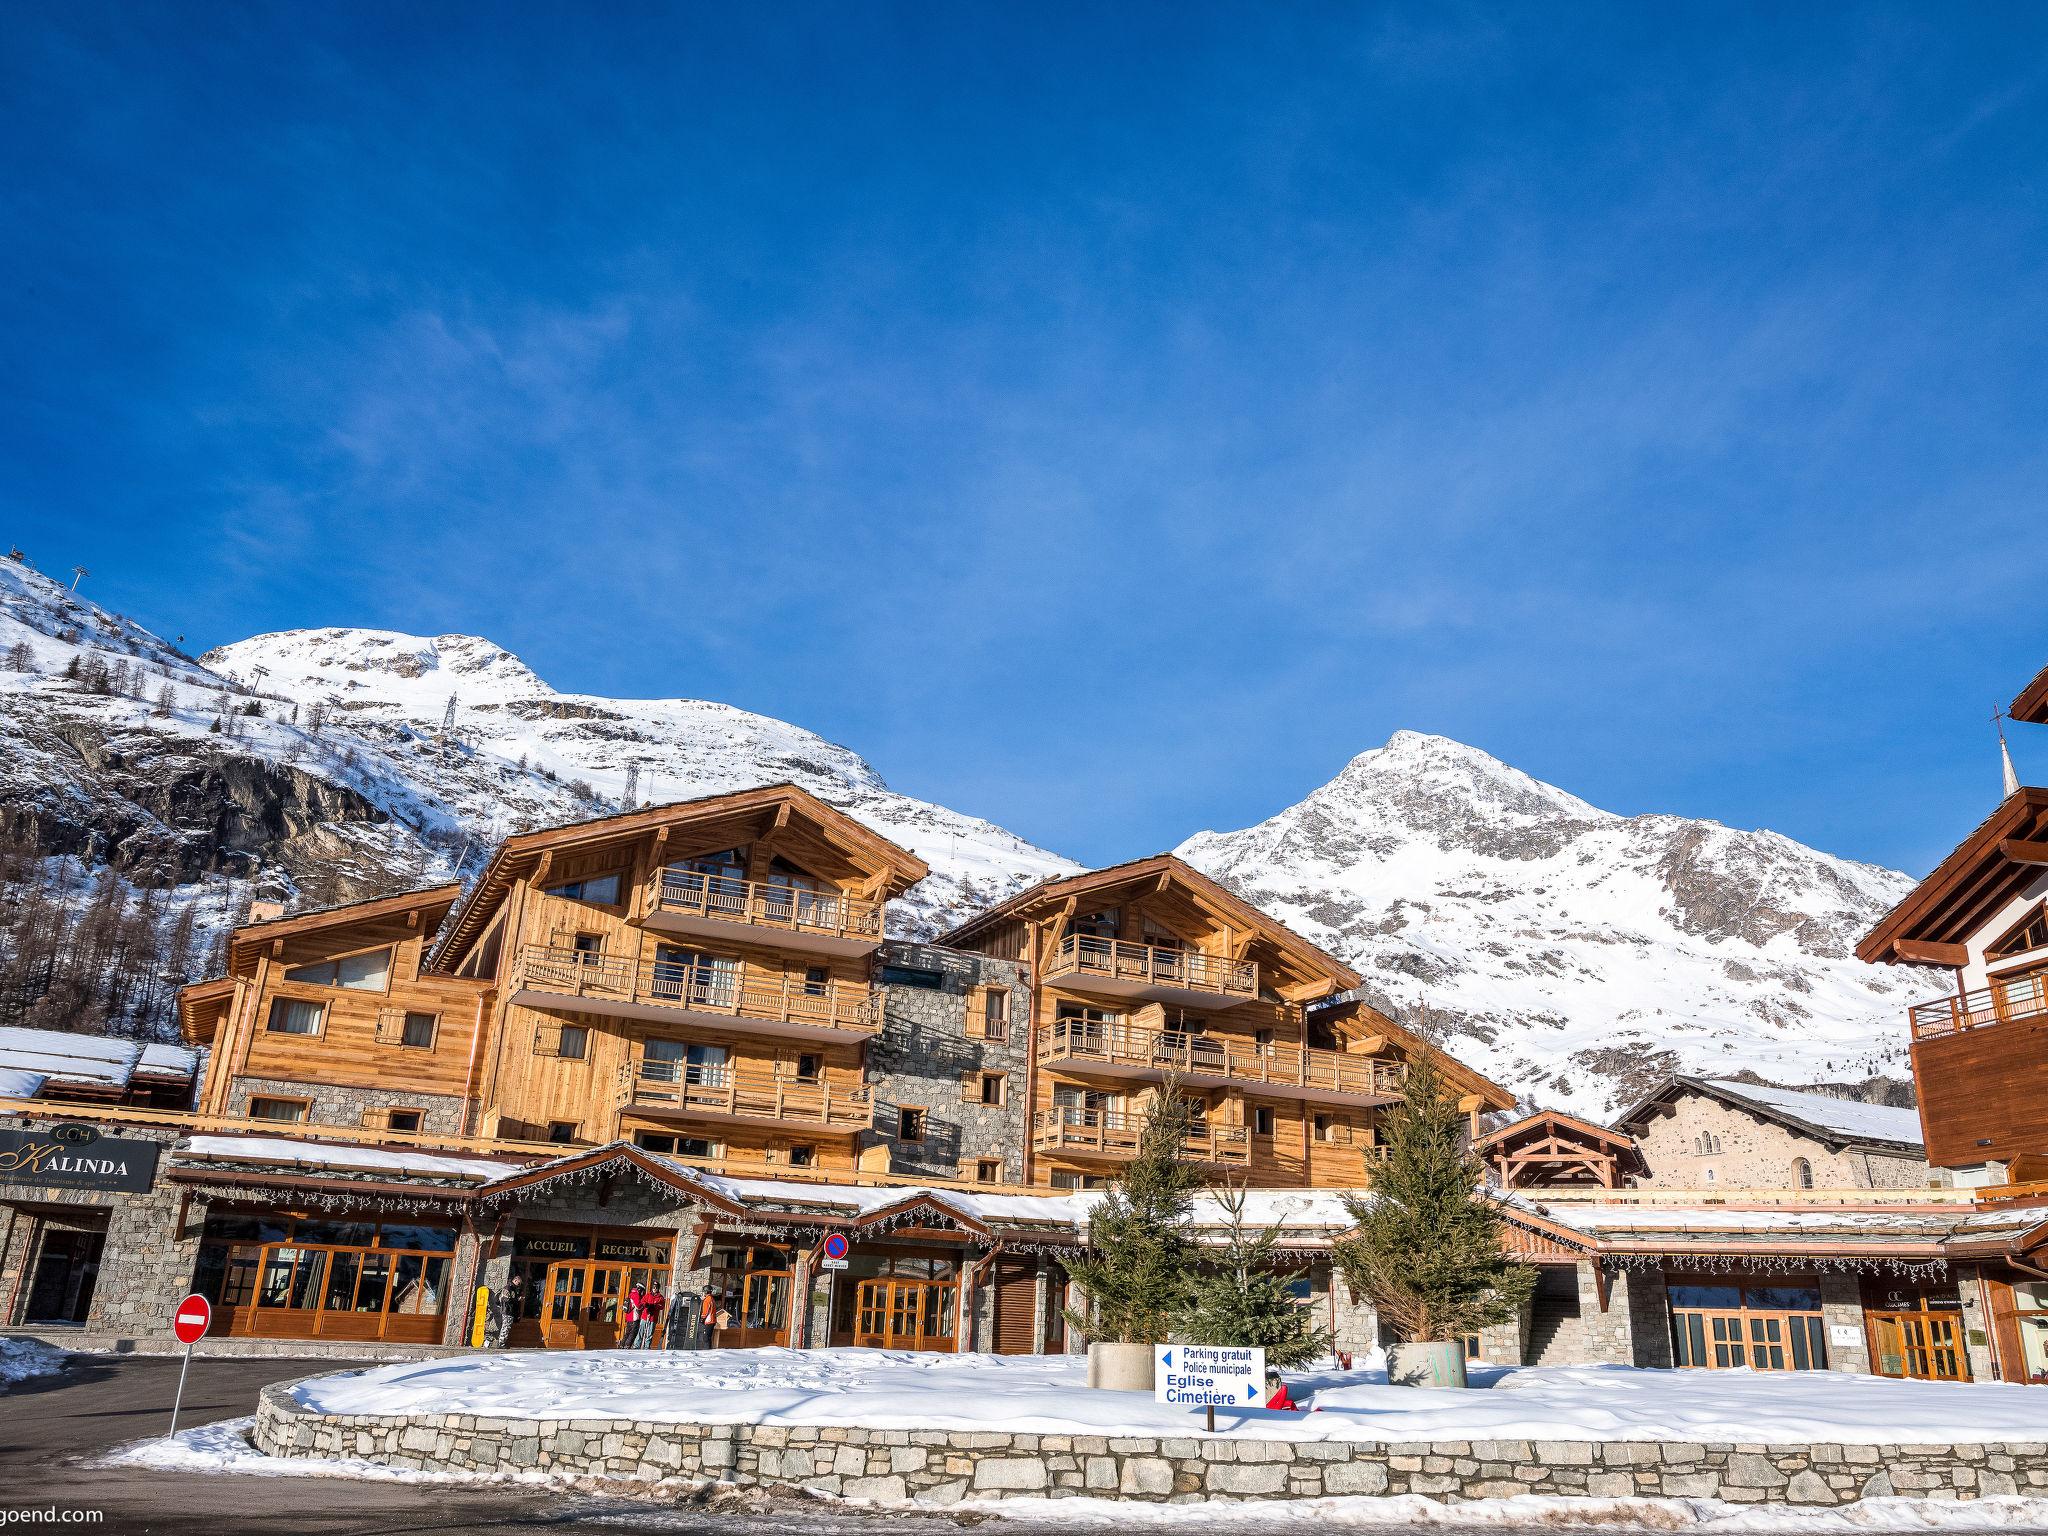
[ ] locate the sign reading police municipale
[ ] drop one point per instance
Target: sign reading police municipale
(1208, 1376)
(106, 1162)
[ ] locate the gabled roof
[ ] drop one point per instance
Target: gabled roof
(1930, 925)
(425, 909)
(1060, 887)
(517, 855)
(94, 1063)
(1558, 1120)
(1823, 1117)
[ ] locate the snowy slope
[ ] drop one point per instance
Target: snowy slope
(1572, 953)
(523, 755)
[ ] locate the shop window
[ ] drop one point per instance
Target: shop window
(563, 1131)
(1763, 1325)
(369, 971)
(910, 1123)
(342, 1277)
(600, 890)
(293, 1111)
(295, 1016)
(418, 1030)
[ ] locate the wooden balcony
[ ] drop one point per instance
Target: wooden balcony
(1081, 1048)
(1111, 1135)
(2023, 997)
(739, 1095)
(660, 992)
(820, 922)
(1113, 968)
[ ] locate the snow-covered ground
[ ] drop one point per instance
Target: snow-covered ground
(1047, 1395)
(21, 1359)
(225, 1448)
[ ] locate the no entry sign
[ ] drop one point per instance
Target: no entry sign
(191, 1319)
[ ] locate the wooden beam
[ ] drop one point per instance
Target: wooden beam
(2022, 851)
(1918, 952)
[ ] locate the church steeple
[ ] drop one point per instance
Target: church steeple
(2012, 779)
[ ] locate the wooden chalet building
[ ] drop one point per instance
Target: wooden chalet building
(1979, 925)
(1150, 971)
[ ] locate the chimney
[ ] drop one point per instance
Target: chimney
(265, 911)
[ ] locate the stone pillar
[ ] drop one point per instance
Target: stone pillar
(1356, 1322)
(1976, 1324)
(1649, 1313)
(1041, 1307)
(1508, 1343)
(1841, 1309)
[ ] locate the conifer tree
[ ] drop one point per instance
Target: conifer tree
(1428, 1247)
(1242, 1298)
(1136, 1273)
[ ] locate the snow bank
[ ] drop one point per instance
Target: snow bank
(23, 1359)
(1046, 1395)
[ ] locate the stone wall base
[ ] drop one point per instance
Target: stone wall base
(939, 1467)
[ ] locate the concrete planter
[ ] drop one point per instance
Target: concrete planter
(1120, 1367)
(1426, 1365)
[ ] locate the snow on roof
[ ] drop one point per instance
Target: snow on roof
(20, 1083)
(1690, 1218)
(98, 1061)
(315, 1155)
(1840, 1117)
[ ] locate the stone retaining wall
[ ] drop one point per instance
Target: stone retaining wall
(934, 1466)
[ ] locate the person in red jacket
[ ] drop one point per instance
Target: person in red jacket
(1276, 1392)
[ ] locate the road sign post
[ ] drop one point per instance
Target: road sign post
(194, 1315)
(1208, 1375)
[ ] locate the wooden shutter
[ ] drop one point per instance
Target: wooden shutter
(1016, 1292)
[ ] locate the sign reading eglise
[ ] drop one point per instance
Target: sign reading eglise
(50, 1158)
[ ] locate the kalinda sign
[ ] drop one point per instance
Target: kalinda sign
(1208, 1376)
(58, 1159)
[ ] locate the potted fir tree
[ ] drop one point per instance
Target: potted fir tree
(1428, 1246)
(1135, 1274)
(1242, 1297)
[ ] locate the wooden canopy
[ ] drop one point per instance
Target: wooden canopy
(750, 812)
(1552, 1149)
(1991, 866)
(2031, 702)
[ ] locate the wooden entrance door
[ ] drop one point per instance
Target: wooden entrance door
(1927, 1346)
(583, 1302)
(904, 1314)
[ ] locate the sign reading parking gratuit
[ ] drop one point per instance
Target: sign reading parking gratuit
(1208, 1376)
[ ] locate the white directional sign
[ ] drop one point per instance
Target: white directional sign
(1208, 1376)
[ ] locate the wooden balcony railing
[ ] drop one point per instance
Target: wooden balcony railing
(695, 988)
(2023, 997)
(1134, 1047)
(1188, 970)
(766, 905)
(1112, 1133)
(674, 1088)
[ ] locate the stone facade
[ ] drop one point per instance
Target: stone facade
(1704, 1143)
(927, 1056)
(334, 1104)
(941, 1467)
(147, 1261)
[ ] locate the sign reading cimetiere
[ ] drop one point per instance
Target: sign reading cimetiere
(1208, 1376)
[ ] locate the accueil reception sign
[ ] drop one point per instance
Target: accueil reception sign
(72, 1157)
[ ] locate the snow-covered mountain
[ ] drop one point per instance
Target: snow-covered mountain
(1569, 952)
(1572, 953)
(519, 754)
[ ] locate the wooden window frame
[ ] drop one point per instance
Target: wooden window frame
(433, 1029)
(624, 872)
(304, 1117)
(378, 1118)
(285, 978)
(2037, 912)
(1272, 1121)
(975, 1168)
(923, 1121)
(574, 1127)
(1001, 1080)
(811, 1161)
(541, 1035)
(319, 1031)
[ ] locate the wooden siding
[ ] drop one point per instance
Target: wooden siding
(1983, 1092)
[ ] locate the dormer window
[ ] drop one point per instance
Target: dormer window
(2030, 932)
(369, 971)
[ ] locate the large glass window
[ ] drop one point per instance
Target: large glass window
(601, 889)
(1766, 1325)
(317, 1268)
(369, 971)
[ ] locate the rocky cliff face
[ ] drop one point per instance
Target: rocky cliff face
(1570, 952)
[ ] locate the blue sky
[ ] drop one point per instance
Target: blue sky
(1107, 419)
